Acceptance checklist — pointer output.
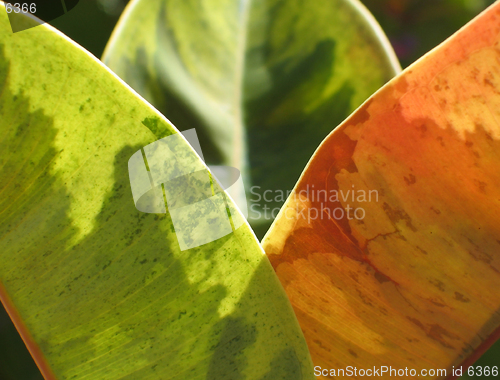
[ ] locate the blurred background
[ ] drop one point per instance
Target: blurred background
(413, 26)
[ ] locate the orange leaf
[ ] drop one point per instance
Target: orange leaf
(389, 246)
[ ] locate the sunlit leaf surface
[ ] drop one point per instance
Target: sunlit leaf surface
(98, 289)
(389, 246)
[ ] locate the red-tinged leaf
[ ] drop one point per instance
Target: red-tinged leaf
(411, 279)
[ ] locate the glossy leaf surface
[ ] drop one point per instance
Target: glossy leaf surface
(97, 289)
(389, 246)
(262, 81)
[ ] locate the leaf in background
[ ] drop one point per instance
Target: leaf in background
(98, 289)
(263, 81)
(389, 246)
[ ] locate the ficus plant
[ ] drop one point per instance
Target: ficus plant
(386, 253)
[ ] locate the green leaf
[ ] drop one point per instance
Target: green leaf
(246, 74)
(98, 289)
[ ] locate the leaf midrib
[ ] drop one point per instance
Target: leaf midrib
(239, 150)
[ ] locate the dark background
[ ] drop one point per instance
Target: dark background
(413, 26)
